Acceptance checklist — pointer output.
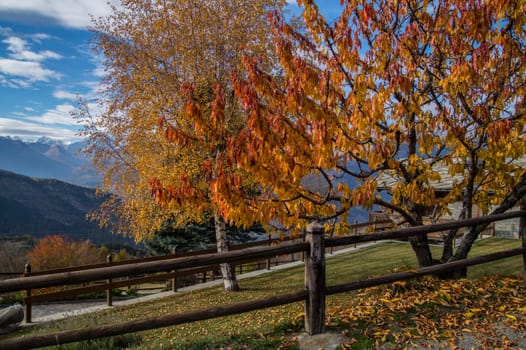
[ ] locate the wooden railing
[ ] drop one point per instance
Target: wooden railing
(313, 295)
(109, 285)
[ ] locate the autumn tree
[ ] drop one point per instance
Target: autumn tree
(56, 251)
(376, 103)
(162, 57)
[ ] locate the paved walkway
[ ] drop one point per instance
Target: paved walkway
(59, 310)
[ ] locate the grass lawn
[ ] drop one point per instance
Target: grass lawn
(360, 315)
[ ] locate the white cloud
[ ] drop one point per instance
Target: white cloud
(92, 85)
(61, 114)
(15, 44)
(24, 66)
(73, 14)
(36, 56)
(64, 95)
(18, 49)
(38, 37)
(32, 71)
(28, 130)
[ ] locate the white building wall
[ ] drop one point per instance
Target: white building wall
(504, 228)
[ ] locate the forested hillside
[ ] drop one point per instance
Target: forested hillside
(41, 206)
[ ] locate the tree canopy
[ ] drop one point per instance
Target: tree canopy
(162, 58)
(415, 92)
(151, 51)
(55, 251)
(390, 89)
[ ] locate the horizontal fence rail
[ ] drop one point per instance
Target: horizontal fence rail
(422, 271)
(265, 242)
(243, 255)
(109, 284)
(155, 258)
(150, 323)
(115, 284)
(416, 230)
(313, 296)
(78, 277)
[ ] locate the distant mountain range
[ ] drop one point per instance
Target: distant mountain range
(46, 186)
(38, 207)
(48, 159)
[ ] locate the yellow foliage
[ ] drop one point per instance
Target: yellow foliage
(165, 123)
(375, 97)
(351, 101)
(416, 314)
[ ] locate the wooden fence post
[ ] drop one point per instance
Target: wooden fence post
(331, 250)
(27, 303)
(268, 259)
(109, 292)
(522, 234)
(355, 230)
(315, 280)
(174, 278)
(303, 252)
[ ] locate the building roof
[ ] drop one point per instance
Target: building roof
(387, 180)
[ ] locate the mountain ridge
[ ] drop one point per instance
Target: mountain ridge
(47, 158)
(39, 207)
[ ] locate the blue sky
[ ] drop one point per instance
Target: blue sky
(46, 61)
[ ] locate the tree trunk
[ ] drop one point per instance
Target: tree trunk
(420, 245)
(449, 239)
(227, 270)
(509, 202)
(447, 249)
(466, 213)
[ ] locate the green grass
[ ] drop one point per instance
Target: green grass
(269, 328)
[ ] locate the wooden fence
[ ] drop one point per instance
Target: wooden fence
(109, 285)
(313, 295)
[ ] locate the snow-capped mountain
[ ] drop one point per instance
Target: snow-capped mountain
(47, 158)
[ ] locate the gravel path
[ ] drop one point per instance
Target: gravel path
(58, 310)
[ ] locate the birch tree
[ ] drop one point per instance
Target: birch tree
(158, 55)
